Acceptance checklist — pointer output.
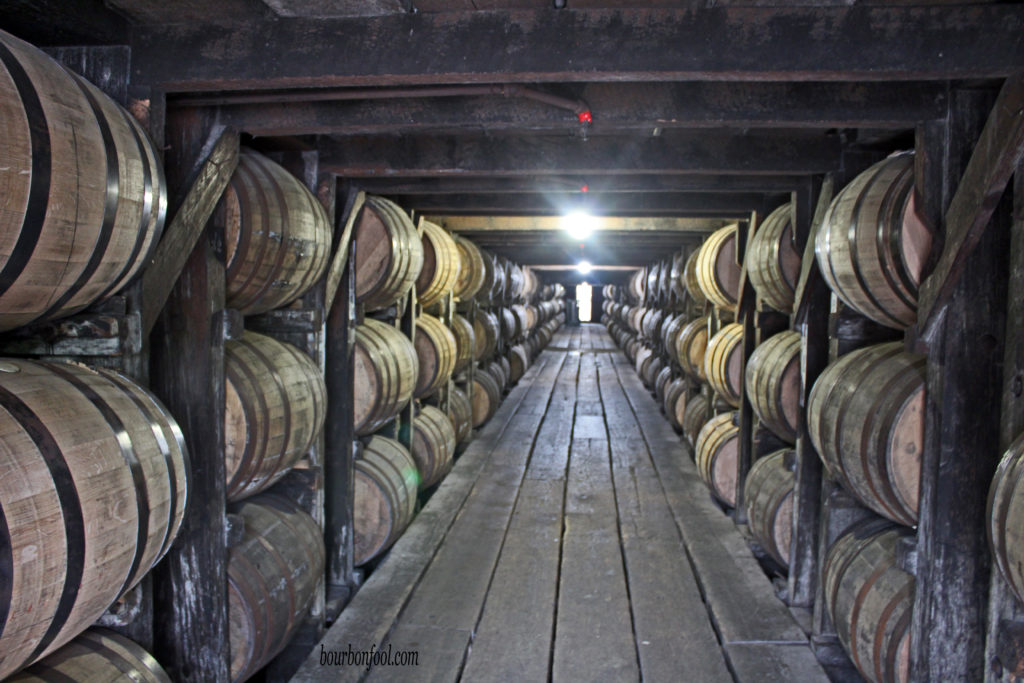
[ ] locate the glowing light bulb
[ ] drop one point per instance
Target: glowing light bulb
(584, 267)
(579, 225)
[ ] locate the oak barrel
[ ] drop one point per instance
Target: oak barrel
(389, 253)
(441, 263)
(716, 453)
(773, 263)
(675, 402)
(435, 351)
(773, 383)
(276, 233)
(718, 273)
(485, 331)
(272, 578)
(93, 486)
(465, 342)
(677, 277)
(696, 414)
(471, 269)
(433, 445)
(519, 362)
(275, 403)
(670, 329)
(509, 323)
(384, 372)
(82, 189)
(872, 248)
(865, 416)
(690, 279)
(661, 383)
(460, 412)
(723, 362)
(1005, 512)
(768, 494)
(871, 599)
(98, 655)
(691, 345)
(485, 397)
(386, 484)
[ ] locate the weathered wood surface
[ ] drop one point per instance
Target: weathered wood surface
(961, 448)
(188, 222)
(353, 204)
(996, 156)
(1004, 644)
(823, 43)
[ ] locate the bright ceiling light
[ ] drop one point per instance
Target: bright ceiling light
(584, 267)
(579, 225)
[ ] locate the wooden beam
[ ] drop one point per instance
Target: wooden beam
(995, 157)
(692, 153)
(601, 223)
(607, 184)
(838, 43)
(340, 260)
(680, 204)
(187, 225)
(617, 107)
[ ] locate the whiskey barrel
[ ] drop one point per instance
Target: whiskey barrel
(485, 398)
(530, 284)
(276, 233)
(519, 362)
(697, 413)
(516, 282)
(773, 383)
(872, 248)
(500, 371)
(637, 284)
(677, 276)
(768, 493)
(643, 357)
(723, 363)
(690, 278)
(441, 263)
(671, 328)
(272, 578)
(675, 403)
(433, 445)
(690, 347)
(523, 327)
(435, 353)
(1004, 513)
(386, 484)
(773, 263)
(460, 412)
(718, 273)
(389, 253)
(661, 382)
(651, 369)
(92, 501)
(83, 190)
(465, 342)
(716, 453)
(275, 404)
(865, 416)
(508, 322)
(384, 372)
(97, 655)
(471, 269)
(485, 331)
(651, 323)
(871, 600)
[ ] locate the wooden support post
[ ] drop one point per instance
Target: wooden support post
(190, 584)
(811, 320)
(961, 448)
(339, 432)
(746, 311)
(1005, 611)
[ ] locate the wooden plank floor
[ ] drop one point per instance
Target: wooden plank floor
(573, 541)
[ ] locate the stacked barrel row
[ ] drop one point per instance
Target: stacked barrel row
(477, 325)
(864, 414)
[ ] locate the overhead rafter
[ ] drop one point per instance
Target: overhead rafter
(608, 183)
(636, 107)
(738, 205)
(554, 223)
(695, 152)
(835, 43)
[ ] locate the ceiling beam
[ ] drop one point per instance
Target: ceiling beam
(698, 152)
(636, 107)
(484, 224)
(598, 184)
(737, 205)
(806, 43)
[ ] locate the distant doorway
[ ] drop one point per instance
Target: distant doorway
(584, 301)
